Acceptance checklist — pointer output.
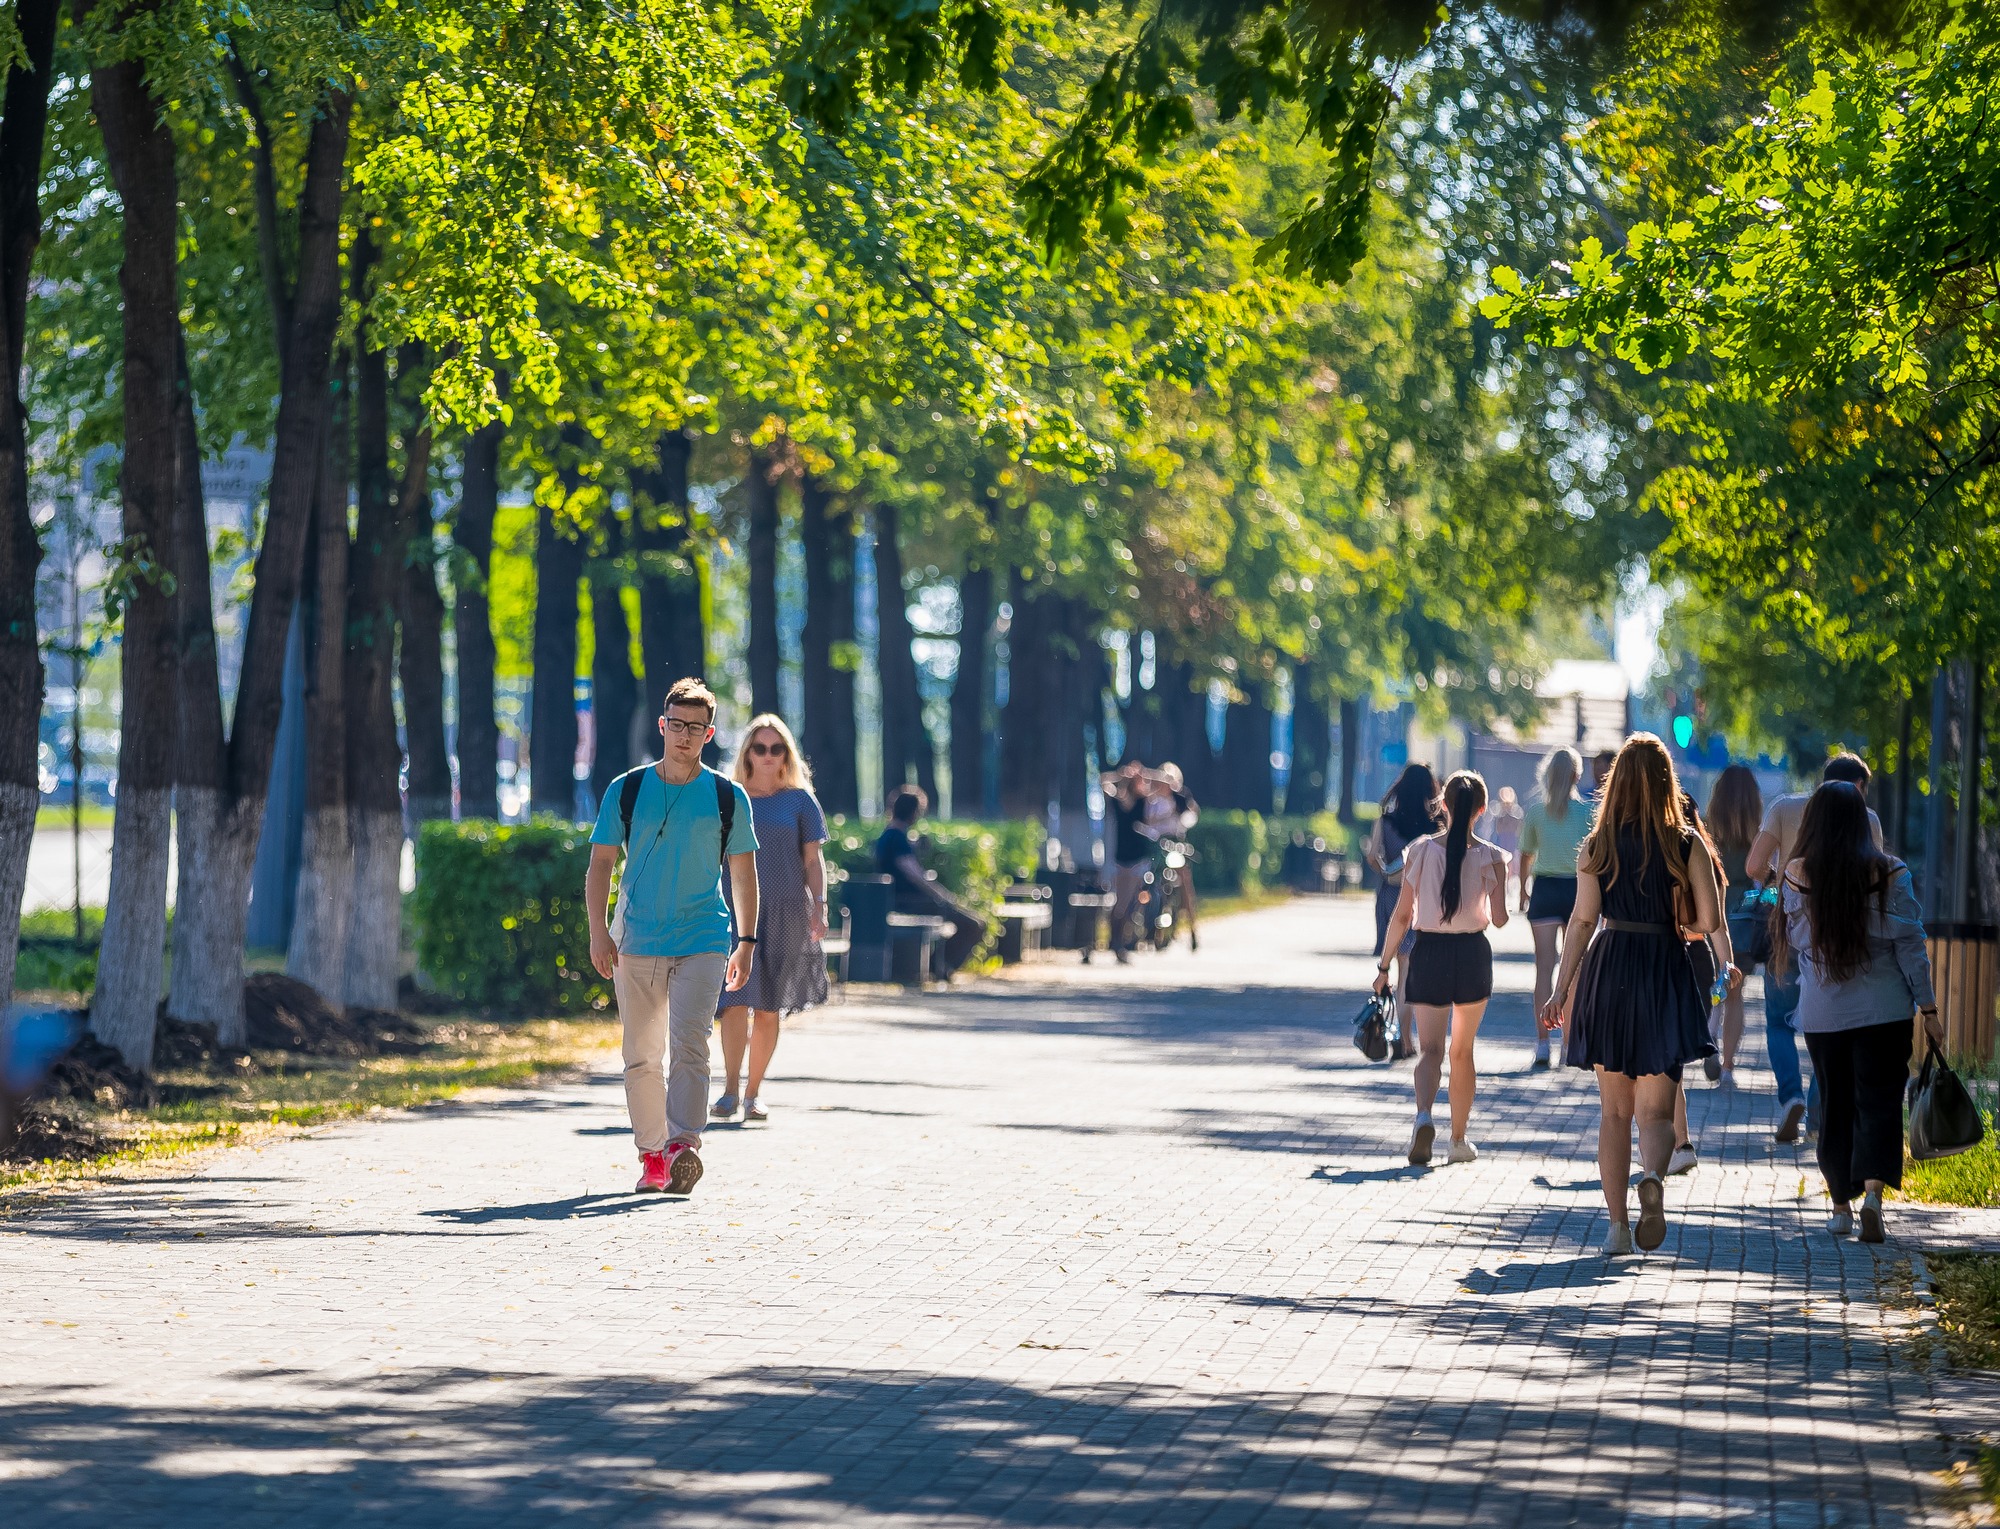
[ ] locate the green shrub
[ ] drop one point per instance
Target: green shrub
(499, 915)
(973, 860)
(1230, 848)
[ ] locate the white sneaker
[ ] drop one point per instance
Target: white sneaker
(1727, 1079)
(1841, 1222)
(1788, 1126)
(1421, 1139)
(1618, 1239)
(1463, 1151)
(723, 1108)
(753, 1109)
(1683, 1161)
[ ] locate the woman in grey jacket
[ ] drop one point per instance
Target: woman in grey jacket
(1852, 923)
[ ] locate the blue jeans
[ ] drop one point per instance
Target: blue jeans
(1781, 1041)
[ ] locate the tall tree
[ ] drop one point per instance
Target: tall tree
(826, 645)
(317, 952)
(907, 751)
(552, 715)
(673, 640)
(969, 693)
(23, 129)
(614, 688)
(1305, 790)
(478, 734)
(139, 147)
(219, 801)
(374, 755)
(420, 607)
(761, 490)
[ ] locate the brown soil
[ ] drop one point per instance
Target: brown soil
(286, 1015)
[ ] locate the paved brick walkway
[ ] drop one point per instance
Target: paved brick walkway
(1095, 1247)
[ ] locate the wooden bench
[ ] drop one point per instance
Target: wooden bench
(836, 948)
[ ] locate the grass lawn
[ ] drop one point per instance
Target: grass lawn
(273, 1092)
(1971, 1178)
(1968, 1324)
(49, 819)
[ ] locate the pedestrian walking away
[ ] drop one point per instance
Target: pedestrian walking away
(1769, 853)
(1454, 889)
(1551, 830)
(1630, 1001)
(1735, 808)
(677, 826)
(1125, 798)
(1169, 813)
(1855, 938)
(1409, 811)
(1716, 973)
(790, 970)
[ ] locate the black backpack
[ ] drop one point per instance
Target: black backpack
(725, 803)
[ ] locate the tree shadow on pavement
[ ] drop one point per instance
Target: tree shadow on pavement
(576, 1207)
(825, 1445)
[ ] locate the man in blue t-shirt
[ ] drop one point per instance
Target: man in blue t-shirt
(668, 951)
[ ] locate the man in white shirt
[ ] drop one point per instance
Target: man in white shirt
(1770, 853)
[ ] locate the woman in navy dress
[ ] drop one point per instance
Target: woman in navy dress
(1637, 1009)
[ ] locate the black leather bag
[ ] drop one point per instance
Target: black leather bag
(1944, 1120)
(1374, 1025)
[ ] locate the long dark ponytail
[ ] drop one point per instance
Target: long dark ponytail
(1464, 800)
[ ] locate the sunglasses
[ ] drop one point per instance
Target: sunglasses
(762, 749)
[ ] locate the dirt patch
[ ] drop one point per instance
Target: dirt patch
(94, 1073)
(286, 1015)
(46, 1130)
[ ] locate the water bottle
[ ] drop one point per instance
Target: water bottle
(1721, 989)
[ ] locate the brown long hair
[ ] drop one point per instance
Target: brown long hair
(1842, 870)
(1464, 800)
(1643, 796)
(1735, 808)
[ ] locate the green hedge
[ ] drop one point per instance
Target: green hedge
(1242, 850)
(499, 915)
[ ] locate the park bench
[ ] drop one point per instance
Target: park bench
(884, 945)
(1026, 919)
(836, 947)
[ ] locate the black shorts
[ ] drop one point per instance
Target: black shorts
(1552, 899)
(1450, 968)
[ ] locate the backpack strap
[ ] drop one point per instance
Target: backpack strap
(628, 798)
(725, 809)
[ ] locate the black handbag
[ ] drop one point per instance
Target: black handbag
(1944, 1120)
(1374, 1025)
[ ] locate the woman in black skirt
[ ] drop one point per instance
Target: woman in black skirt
(1637, 1010)
(1454, 887)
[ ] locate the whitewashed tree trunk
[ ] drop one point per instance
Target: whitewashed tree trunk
(17, 837)
(375, 921)
(132, 961)
(218, 848)
(318, 952)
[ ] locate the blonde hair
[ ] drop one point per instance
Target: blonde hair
(797, 773)
(1561, 769)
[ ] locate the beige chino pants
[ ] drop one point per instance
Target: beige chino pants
(667, 1007)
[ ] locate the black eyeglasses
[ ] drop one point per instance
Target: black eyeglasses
(686, 729)
(761, 749)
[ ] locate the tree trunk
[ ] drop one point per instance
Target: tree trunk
(1184, 730)
(552, 716)
(1244, 774)
(218, 833)
(132, 958)
(325, 897)
(826, 531)
(673, 640)
(762, 492)
(968, 694)
(907, 752)
(472, 623)
(1350, 755)
(374, 757)
(420, 651)
(1311, 733)
(217, 845)
(614, 688)
(1024, 739)
(22, 131)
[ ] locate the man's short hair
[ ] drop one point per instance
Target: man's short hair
(1848, 767)
(689, 692)
(907, 804)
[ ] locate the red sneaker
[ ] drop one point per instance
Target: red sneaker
(652, 1173)
(683, 1168)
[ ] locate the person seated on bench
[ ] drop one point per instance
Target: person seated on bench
(915, 892)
